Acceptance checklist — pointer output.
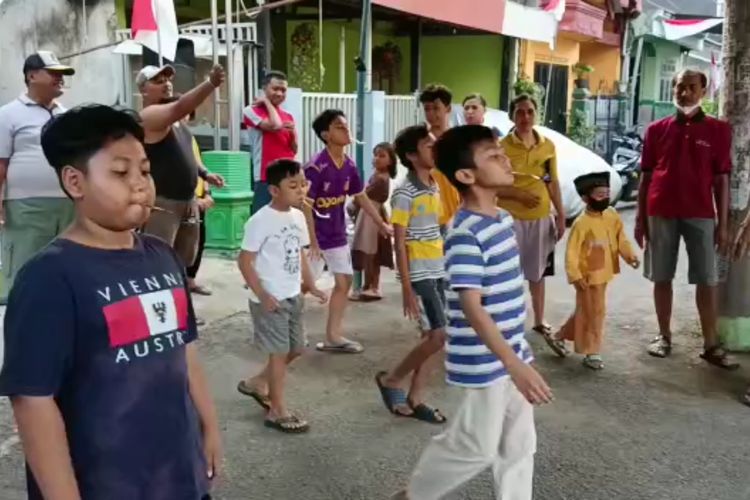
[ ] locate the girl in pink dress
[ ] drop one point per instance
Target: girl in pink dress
(370, 250)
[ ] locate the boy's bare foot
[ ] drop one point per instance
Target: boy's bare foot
(400, 495)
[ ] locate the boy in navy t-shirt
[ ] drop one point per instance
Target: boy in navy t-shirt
(100, 366)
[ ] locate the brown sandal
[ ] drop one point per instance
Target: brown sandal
(717, 356)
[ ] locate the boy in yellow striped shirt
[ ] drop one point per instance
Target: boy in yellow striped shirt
(416, 211)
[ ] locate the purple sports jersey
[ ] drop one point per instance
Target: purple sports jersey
(329, 187)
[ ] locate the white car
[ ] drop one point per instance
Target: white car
(572, 159)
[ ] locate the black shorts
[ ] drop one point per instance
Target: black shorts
(431, 299)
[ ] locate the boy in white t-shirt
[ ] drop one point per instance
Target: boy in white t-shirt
(274, 267)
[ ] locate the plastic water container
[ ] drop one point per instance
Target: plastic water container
(234, 167)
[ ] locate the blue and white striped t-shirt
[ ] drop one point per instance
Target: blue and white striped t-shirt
(481, 253)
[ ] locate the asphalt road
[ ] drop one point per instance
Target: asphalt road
(641, 429)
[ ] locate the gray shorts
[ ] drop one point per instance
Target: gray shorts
(662, 250)
(431, 298)
(536, 241)
(281, 331)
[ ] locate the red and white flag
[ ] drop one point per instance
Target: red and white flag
(556, 8)
(154, 24)
(674, 29)
(143, 316)
(715, 77)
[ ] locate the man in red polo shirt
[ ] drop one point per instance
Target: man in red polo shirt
(686, 164)
(272, 134)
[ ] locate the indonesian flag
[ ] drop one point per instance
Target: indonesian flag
(155, 21)
(143, 316)
(674, 29)
(716, 76)
(556, 8)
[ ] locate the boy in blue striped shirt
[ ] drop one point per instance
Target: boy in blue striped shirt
(487, 354)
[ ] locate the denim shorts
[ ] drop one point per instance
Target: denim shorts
(431, 298)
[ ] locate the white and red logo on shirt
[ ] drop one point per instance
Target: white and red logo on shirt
(143, 316)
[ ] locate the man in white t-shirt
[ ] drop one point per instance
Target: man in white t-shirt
(274, 267)
(33, 207)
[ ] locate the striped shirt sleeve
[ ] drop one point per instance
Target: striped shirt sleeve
(251, 118)
(400, 208)
(464, 261)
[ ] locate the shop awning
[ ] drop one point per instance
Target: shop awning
(484, 15)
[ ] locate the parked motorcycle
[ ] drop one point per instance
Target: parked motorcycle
(626, 160)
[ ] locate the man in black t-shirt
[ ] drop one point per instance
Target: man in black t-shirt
(170, 151)
(100, 360)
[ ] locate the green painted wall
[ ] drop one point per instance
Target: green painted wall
(664, 52)
(122, 21)
(382, 33)
(466, 64)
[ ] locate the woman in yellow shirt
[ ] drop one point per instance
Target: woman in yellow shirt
(531, 199)
(205, 202)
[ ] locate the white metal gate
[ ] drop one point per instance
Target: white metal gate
(400, 112)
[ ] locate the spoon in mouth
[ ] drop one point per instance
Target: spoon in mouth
(159, 209)
(531, 176)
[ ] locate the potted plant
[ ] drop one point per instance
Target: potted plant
(579, 129)
(582, 70)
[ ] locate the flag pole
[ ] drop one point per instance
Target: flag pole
(155, 10)
(215, 51)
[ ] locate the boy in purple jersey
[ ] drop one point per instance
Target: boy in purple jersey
(332, 176)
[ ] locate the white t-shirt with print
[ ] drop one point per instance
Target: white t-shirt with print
(278, 238)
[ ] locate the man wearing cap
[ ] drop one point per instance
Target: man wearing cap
(169, 149)
(34, 208)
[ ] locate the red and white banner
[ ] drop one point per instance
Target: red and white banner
(535, 24)
(556, 8)
(143, 316)
(154, 25)
(674, 29)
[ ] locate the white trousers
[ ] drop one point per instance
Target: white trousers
(494, 427)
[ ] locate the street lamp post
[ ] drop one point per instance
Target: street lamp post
(364, 75)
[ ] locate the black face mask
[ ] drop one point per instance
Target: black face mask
(599, 205)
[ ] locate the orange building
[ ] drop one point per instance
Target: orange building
(590, 33)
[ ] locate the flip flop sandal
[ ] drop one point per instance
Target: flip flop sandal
(557, 345)
(346, 347)
(543, 329)
(428, 414)
(717, 356)
(745, 398)
(660, 347)
(392, 398)
(289, 425)
(370, 295)
(259, 398)
(593, 363)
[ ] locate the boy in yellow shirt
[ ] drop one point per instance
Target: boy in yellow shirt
(595, 244)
